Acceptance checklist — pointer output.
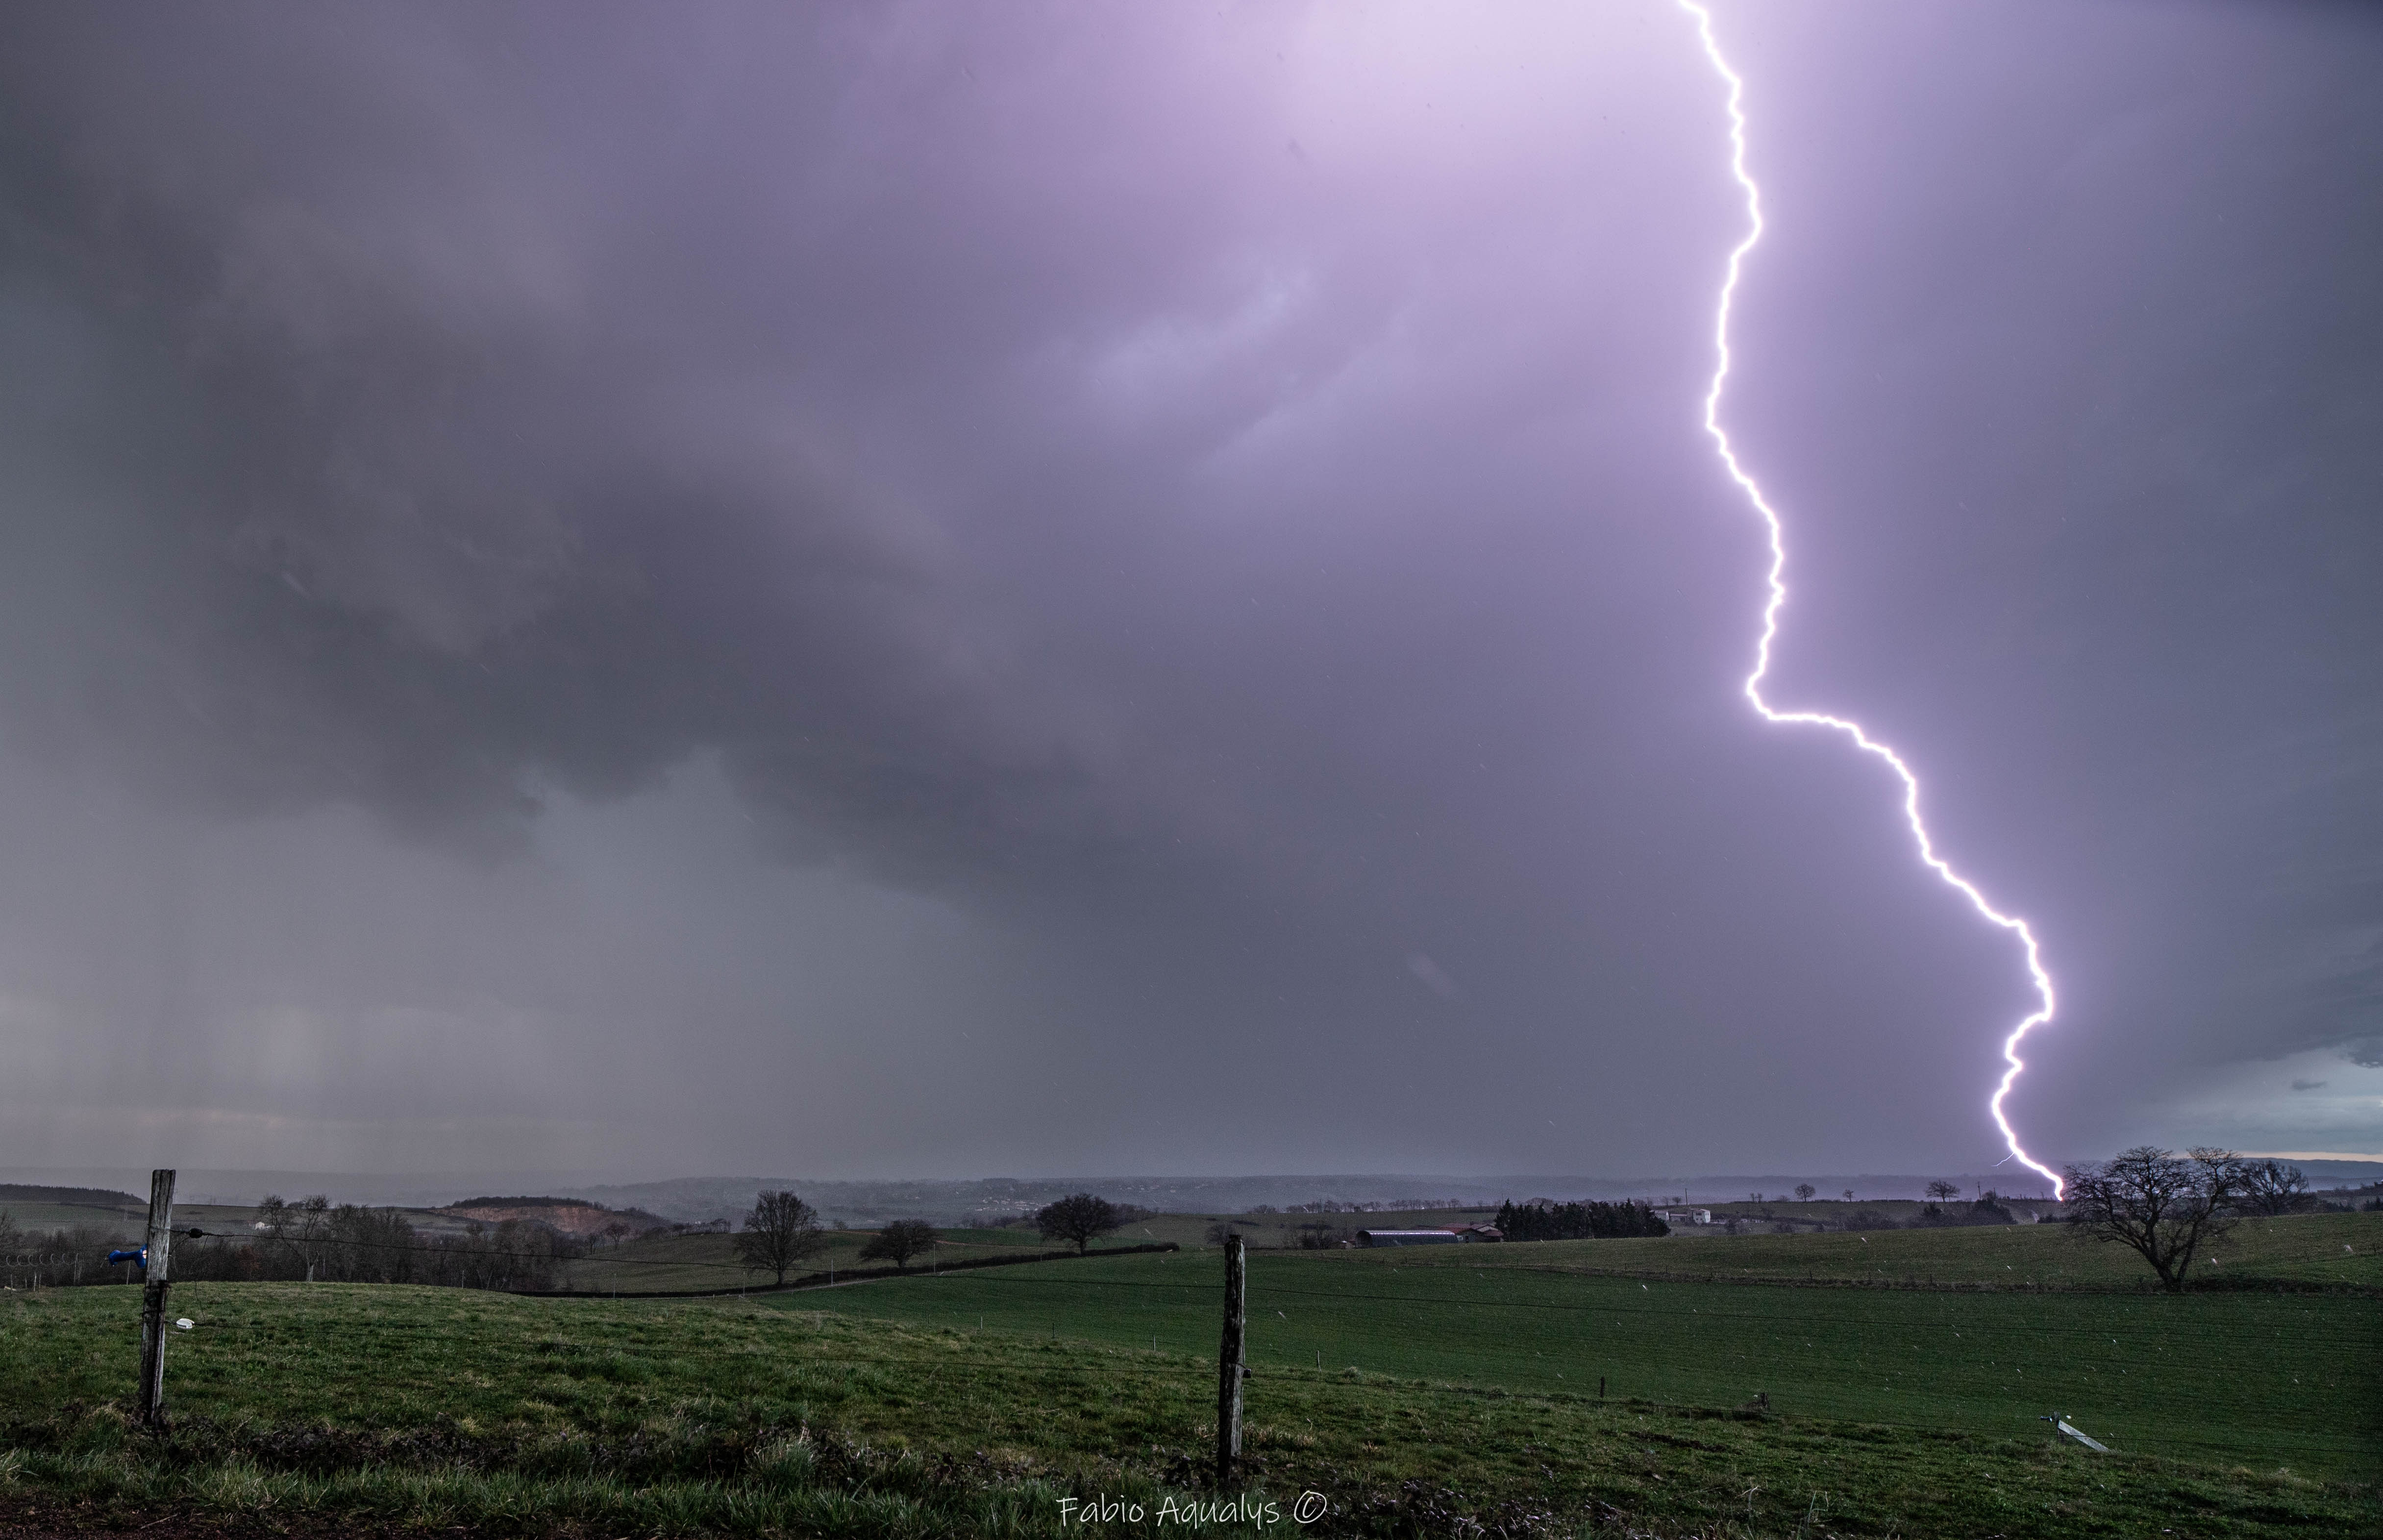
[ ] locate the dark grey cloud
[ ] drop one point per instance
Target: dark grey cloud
(1163, 563)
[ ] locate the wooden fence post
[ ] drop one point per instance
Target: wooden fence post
(1229, 1360)
(153, 1299)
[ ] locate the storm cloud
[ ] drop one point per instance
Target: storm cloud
(919, 589)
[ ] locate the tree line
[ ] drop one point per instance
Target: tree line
(56, 1259)
(309, 1240)
(781, 1229)
(313, 1239)
(1584, 1221)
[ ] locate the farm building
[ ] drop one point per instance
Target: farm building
(1686, 1216)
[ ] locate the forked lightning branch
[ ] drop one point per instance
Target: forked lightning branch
(1778, 600)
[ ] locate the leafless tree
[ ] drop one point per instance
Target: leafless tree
(14, 1243)
(1942, 1191)
(1079, 1219)
(2271, 1188)
(302, 1230)
(899, 1241)
(1848, 1195)
(364, 1245)
(1804, 1191)
(2161, 1205)
(780, 1232)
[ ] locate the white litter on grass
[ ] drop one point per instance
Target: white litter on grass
(2068, 1431)
(185, 1323)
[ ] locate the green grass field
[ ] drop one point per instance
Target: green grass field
(432, 1409)
(2329, 1250)
(2255, 1379)
(692, 1263)
(1411, 1385)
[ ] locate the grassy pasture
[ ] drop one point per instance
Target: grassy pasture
(688, 1263)
(2326, 1248)
(2262, 1380)
(434, 1408)
(2332, 1250)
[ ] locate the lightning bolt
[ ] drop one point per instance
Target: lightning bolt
(1778, 600)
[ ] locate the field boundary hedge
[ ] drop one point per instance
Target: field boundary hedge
(843, 1275)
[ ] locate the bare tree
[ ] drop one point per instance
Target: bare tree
(1079, 1219)
(12, 1241)
(1804, 1191)
(364, 1245)
(780, 1232)
(301, 1228)
(2270, 1189)
(2161, 1205)
(1942, 1191)
(899, 1241)
(1848, 1195)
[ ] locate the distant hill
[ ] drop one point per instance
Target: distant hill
(74, 1196)
(575, 1217)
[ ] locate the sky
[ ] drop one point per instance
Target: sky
(938, 590)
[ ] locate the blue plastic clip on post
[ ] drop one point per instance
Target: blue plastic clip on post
(137, 1254)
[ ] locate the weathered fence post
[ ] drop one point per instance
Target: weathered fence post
(153, 1299)
(1229, 1366)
